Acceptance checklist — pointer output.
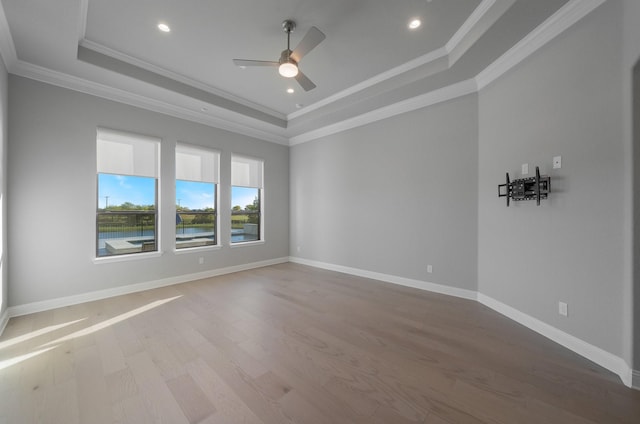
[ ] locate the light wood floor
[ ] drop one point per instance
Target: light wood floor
(289, 343)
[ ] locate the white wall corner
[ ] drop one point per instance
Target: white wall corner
(4, 320)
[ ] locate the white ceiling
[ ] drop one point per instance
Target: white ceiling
(368, 62)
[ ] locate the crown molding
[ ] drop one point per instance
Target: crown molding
(99, 48)
(7, 48)
(452, 91)
(469, 24)
(556, 24)
(245, 125)
(384, 76)
(563, 19)
(82, 19)
(430, 57)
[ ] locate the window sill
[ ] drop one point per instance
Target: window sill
(196, 249)
(246, 243)
(127, 257)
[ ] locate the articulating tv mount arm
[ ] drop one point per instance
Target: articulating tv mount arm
(537, 188)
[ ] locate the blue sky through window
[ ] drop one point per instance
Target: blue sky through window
(114, 190)
(243, 196)
(195, 195)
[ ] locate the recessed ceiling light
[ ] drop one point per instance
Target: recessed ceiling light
(164, 27)
(204, 109)
(290, 90)
(415, 23)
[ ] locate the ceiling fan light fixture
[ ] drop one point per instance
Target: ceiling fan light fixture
(288, 69)
(288, 63)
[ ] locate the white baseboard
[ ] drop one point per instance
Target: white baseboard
(595, 354)
(408, 282)
(615, 364)
(29, 308)
(635, 379)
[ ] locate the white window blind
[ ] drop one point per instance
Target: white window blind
(246, 172)
(196, 164)
(127, 154)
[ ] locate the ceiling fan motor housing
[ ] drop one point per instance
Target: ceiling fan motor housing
(288, 26)
(285, 57)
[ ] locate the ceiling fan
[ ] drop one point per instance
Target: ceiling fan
(288, 63)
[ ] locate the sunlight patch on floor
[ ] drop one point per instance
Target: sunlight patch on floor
(106, 323)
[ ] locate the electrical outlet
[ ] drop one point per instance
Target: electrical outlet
(557, 162)
(298, 249)
(200, 260)
(563, 309)
(429, 269)
(525, 168)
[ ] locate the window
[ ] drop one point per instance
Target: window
(126, 218)
(246, 199)
(196, 199)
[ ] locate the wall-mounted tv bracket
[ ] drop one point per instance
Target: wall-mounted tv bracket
(537, 187)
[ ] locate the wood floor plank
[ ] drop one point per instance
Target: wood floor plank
(92, 387)
(157, 397)
(293, 344)
(195, 405)
(299, 410)
(111, 355)
(229, 407)
(61, 404)
(242, 385)
(121, 385)
(131, 410)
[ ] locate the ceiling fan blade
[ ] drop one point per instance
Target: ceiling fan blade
(311, 39)
(304, 81)
(246, 62)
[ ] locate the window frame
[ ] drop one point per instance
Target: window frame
(109, 135)
(260, 189)
(216, 192)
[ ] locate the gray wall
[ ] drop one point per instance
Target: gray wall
(635, 289)
(392, 196)
(631, 53)
(4, 96)
(52, 184)
(398, 194)
(564, 100)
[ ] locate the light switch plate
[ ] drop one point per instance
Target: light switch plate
(563, 309)
(525, 168)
